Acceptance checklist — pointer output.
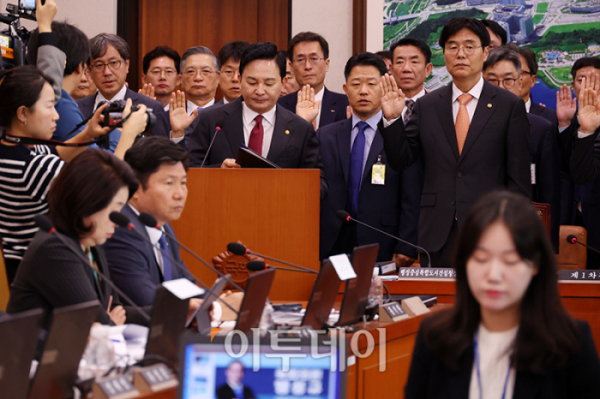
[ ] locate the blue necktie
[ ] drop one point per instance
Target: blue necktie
(357, 156)
(166, 262)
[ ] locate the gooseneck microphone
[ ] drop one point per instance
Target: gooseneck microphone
(345, 216)
(46, 224)
(123, 221)
(572, 239)
(218, 127)
(239, 249)
(150, 221)
(257, 265)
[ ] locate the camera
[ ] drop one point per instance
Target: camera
(113, 115)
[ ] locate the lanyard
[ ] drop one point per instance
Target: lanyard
(477, 366)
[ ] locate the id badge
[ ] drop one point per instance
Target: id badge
(378, 173)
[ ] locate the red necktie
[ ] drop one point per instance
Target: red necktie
(256, 136)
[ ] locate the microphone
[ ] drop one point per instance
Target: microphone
(257, 265)
(46, 224)
(218, 127)
(572, 239)
(123, 221)
(345, 216)
(239, 249)
(150, 221)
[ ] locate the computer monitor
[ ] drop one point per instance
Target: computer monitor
(316, 371)
(322, 297)
(255, 298)
(356, 294)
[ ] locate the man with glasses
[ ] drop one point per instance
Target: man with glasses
(199, 77)
(160, 72)
(229, 57)
(474, 138)
(309, 54)
(503, 69)
(109, 65)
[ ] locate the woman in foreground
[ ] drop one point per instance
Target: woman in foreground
(508, 336)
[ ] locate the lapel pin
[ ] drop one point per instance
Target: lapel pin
(333, 110)
(287, 132)
(490, 105)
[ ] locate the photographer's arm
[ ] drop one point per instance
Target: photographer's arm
(133, 126)
(50, 60)
(91, 131)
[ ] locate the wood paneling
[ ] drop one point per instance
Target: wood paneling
(359, 26)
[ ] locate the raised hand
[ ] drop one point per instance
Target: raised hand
(148, 91)
(45, 14)
(393, 100)
(566, 106)
(180, 120)
(306, 107)
(589, 104)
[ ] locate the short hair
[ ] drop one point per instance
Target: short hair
(19, 86)
(263, 51)
(385, 54)
(585, 62)
(408, 41)
(87, 185)
(530, 59)
(99, 45)
(503, 53)
(496, 29)
(308, 37)
(71, 41)
(365, 59)
(147, 155)
(198, 50)
(160, 51)
(233, 50)
(459, 23)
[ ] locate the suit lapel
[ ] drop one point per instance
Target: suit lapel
(444, 111)
(133, 95)
(374, 151)
(485, 108)
(343, 136)
(280, 138)
(234, 127)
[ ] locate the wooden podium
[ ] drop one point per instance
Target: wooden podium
(272, 211)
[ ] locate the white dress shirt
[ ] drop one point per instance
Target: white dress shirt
(471, 105)
(528, 105)
(268, 124)
(119, 96)
(319, 97)
(190, 106)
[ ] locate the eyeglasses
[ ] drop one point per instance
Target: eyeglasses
(313, 60)
(229, 74)
(206, 72)
(468, 50)
(169, 72)
(112, 65)
(507, 83)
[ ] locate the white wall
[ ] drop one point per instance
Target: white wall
(91, 16)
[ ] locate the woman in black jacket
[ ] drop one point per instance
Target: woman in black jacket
(508, 335)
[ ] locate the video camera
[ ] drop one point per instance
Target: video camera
(13, 41)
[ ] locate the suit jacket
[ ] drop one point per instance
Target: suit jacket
(298, 149)
(162, 126)
(392, 207)
(429, 377)
(495, 156)
(546, 113)
(51, 275)
(333, 107)
(132, 262)
(225, 392)
(545, 155)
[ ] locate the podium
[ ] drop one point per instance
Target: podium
(272, 211)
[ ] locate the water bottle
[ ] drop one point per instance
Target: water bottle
(266, 320)
(376, 291)
(99, 354)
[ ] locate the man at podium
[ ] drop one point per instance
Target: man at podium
(256, 121)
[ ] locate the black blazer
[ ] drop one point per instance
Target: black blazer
(163, 124)
(333, 108)
(132, 262)
(52, 276)
(546, 113)
(392, 207)
(225, 392)
(495, 156)
(294, 143)
(429, 377)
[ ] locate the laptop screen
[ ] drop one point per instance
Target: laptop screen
(262, 372)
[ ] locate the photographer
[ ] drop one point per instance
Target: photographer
(26, 169)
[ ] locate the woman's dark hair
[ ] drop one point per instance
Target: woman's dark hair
(85, 186)
(19, 86)
(546, 332)
(459, 23)
(263, 51)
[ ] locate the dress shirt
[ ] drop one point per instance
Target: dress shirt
(268, 124)
(155, 235)
(119, 96)
(528, 105)
(190, 106)
(415, 98)
(471, 105)
(319, 97)
(225, 101)
(369, 134)
(166, 108)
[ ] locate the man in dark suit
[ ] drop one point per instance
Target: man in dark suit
(229, 81)
(109, 65)
(503, 68)
(473, 136)
(359, 182)
(135, 265)
(256, 121)
(309, 54)
(234, 388)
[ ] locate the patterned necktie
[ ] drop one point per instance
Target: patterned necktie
(256, 136)
(166, 262)
(462, 121)
(357, 156)
(410, 105)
